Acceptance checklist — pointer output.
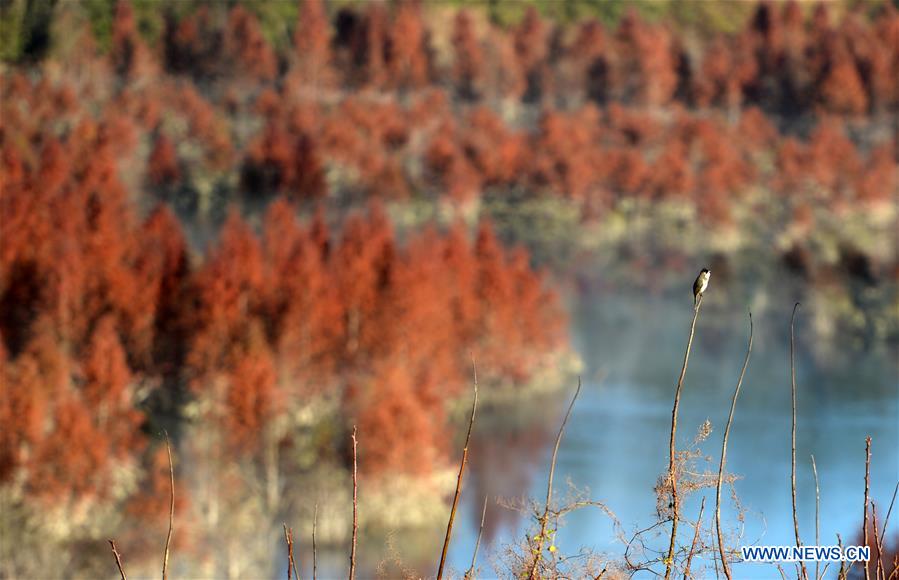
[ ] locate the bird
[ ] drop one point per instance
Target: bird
(699, 286)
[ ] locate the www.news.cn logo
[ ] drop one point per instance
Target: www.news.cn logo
(805, 553)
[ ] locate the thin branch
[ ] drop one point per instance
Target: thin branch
(867, 488)
(168, 538)
(549, 486)
(793, 435)
(474, 557)
(730, 419)
(879, 569)
(355, 510)
(463, 463)
(672, 454)
(118, 559)
(886, 520)
(291, 563)
(695, 540)
(817, 515)
(843, 572)
(314, 555)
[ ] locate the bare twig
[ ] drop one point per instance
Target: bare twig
(549, 487)
(843, 572)
(291, 563)
(355, 510)
(879, 569)
(867, 488)
(314, 555)
(695, 540)
(817, 514)
(672, 454)
(730, 419)
(118, 559)
(793, 436)
(474, 557)
(886, 520)
(452, 517)
(168, 538)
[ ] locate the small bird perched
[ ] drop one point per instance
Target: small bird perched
(701, 283)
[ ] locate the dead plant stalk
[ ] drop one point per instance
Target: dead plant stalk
(462, 464)
(474, 557)
(355, 509)
(696, 531)
(730, 419)
(672, 451)
(793, 437)
(867, 501)
(118, 559)
(168, 538)
(544, 519)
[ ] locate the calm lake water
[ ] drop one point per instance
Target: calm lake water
(616, 441)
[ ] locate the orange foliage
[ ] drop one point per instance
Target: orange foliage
(401, 435)
(246, 46)
(107, 391)
(96, 299)
(252, 399)
(72, 460)
(163, 163)
(312, 41)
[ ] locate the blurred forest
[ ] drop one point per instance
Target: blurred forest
(247, 220)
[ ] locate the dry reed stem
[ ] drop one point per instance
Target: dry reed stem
(118, 559)
(538, 551)
(867, 489)
(886, 520)
(793, 436)
(817, 515)
(672, 476)
(463, 463)
(291, 562)
(168, 538)
(695, 540)
(878, 571)
(355, 510)
(730, 419)
(314, 555)
(474, 557)
(843, 572)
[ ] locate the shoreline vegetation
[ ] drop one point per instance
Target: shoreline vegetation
(261, 226)
(853, 302)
